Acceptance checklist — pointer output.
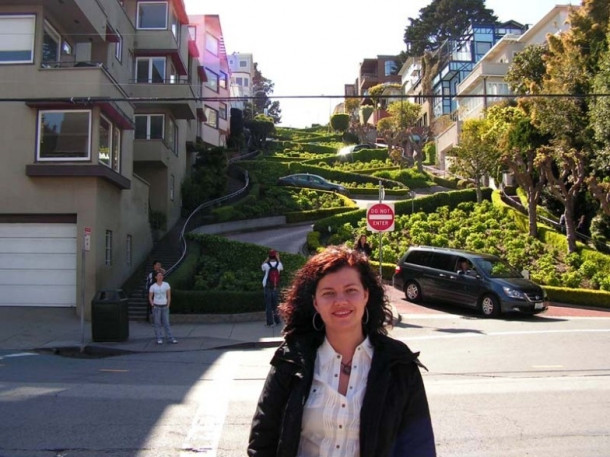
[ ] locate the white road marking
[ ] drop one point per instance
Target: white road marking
(212, 399)
(18, 354)
(521, 332)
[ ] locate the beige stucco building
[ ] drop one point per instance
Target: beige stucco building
(98, 110)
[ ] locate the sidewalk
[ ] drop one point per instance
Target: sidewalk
(59, 329)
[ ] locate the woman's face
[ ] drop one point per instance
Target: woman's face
(340, 299)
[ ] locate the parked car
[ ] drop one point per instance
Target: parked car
(359, 147)
(480, 281)
(312, 181)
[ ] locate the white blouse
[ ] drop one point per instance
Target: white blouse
(331, 421)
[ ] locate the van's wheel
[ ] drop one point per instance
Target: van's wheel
(489, 306)
(413, 292)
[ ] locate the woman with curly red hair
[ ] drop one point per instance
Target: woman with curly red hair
(338, 384)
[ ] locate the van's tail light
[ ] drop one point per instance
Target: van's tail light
(397, 269)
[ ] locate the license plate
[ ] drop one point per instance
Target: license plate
(538, 305)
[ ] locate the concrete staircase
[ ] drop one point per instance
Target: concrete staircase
(167, 251)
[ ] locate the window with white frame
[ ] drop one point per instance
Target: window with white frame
(129, 250)
(239, 81)
(212, 81)
(51, 44)
(211, 44)
(243, 63)
(17, 38)
(150, 69)
(118, 48)
(152, 15)
(222, 110)
(222, 80)
(149, 126)
(64, 135)
(108, 248)
(109, 144)
(211, 116)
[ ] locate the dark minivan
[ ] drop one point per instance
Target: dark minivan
(481, 281)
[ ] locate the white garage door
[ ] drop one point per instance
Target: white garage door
(37, 264)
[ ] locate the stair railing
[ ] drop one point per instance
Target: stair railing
(190, 222)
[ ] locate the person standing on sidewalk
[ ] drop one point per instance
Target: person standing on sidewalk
(272, 268)
(160, 297)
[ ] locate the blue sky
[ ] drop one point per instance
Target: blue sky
(315, 47)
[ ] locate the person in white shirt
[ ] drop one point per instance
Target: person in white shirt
(338, 385)
(159, 297)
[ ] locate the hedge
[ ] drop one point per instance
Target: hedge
(583, 297)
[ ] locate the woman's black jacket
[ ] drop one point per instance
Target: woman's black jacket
(394, 419)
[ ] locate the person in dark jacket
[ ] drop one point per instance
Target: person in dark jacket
(363, 245)
(339, 385)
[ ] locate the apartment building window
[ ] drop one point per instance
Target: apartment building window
(243, 63)
(64, 135)
(116, 149)
(211, 116)
(172, 136)
(389, 67)
(149, 126)
(239, 81)
(222, 80)
(118, 48)
(51, 44)
(152, 15)
(150, 69)
(109, 144)
(212, 81)
(211, 44)
(129, 250)
(246, 82)
(222, 110)
(192, 32)
(108, 248)
(175, 27)
(171, 187)
(17, 38)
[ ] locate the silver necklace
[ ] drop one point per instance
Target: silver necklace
(346, 368)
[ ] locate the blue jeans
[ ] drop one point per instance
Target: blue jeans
(271, 302)
(161, 320)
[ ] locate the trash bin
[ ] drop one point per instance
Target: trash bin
(109, 316)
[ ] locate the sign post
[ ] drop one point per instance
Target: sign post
(86, 248)
(380, 218)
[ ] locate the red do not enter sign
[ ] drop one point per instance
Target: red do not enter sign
(380, 217)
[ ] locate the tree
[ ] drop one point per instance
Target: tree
(571, 63)
(518, 143)
(475, 155)
(443, 20)
(400, 129)
(599, 178)
(260, 128)
(527, 70)
(262, 88)
(339, 122)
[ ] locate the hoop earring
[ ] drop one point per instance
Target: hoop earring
(366, 319)
(313, 322)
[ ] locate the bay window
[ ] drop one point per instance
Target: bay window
(109, 144)
(64, 135)
(150, 69)
(152, 15)
(149, 126)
